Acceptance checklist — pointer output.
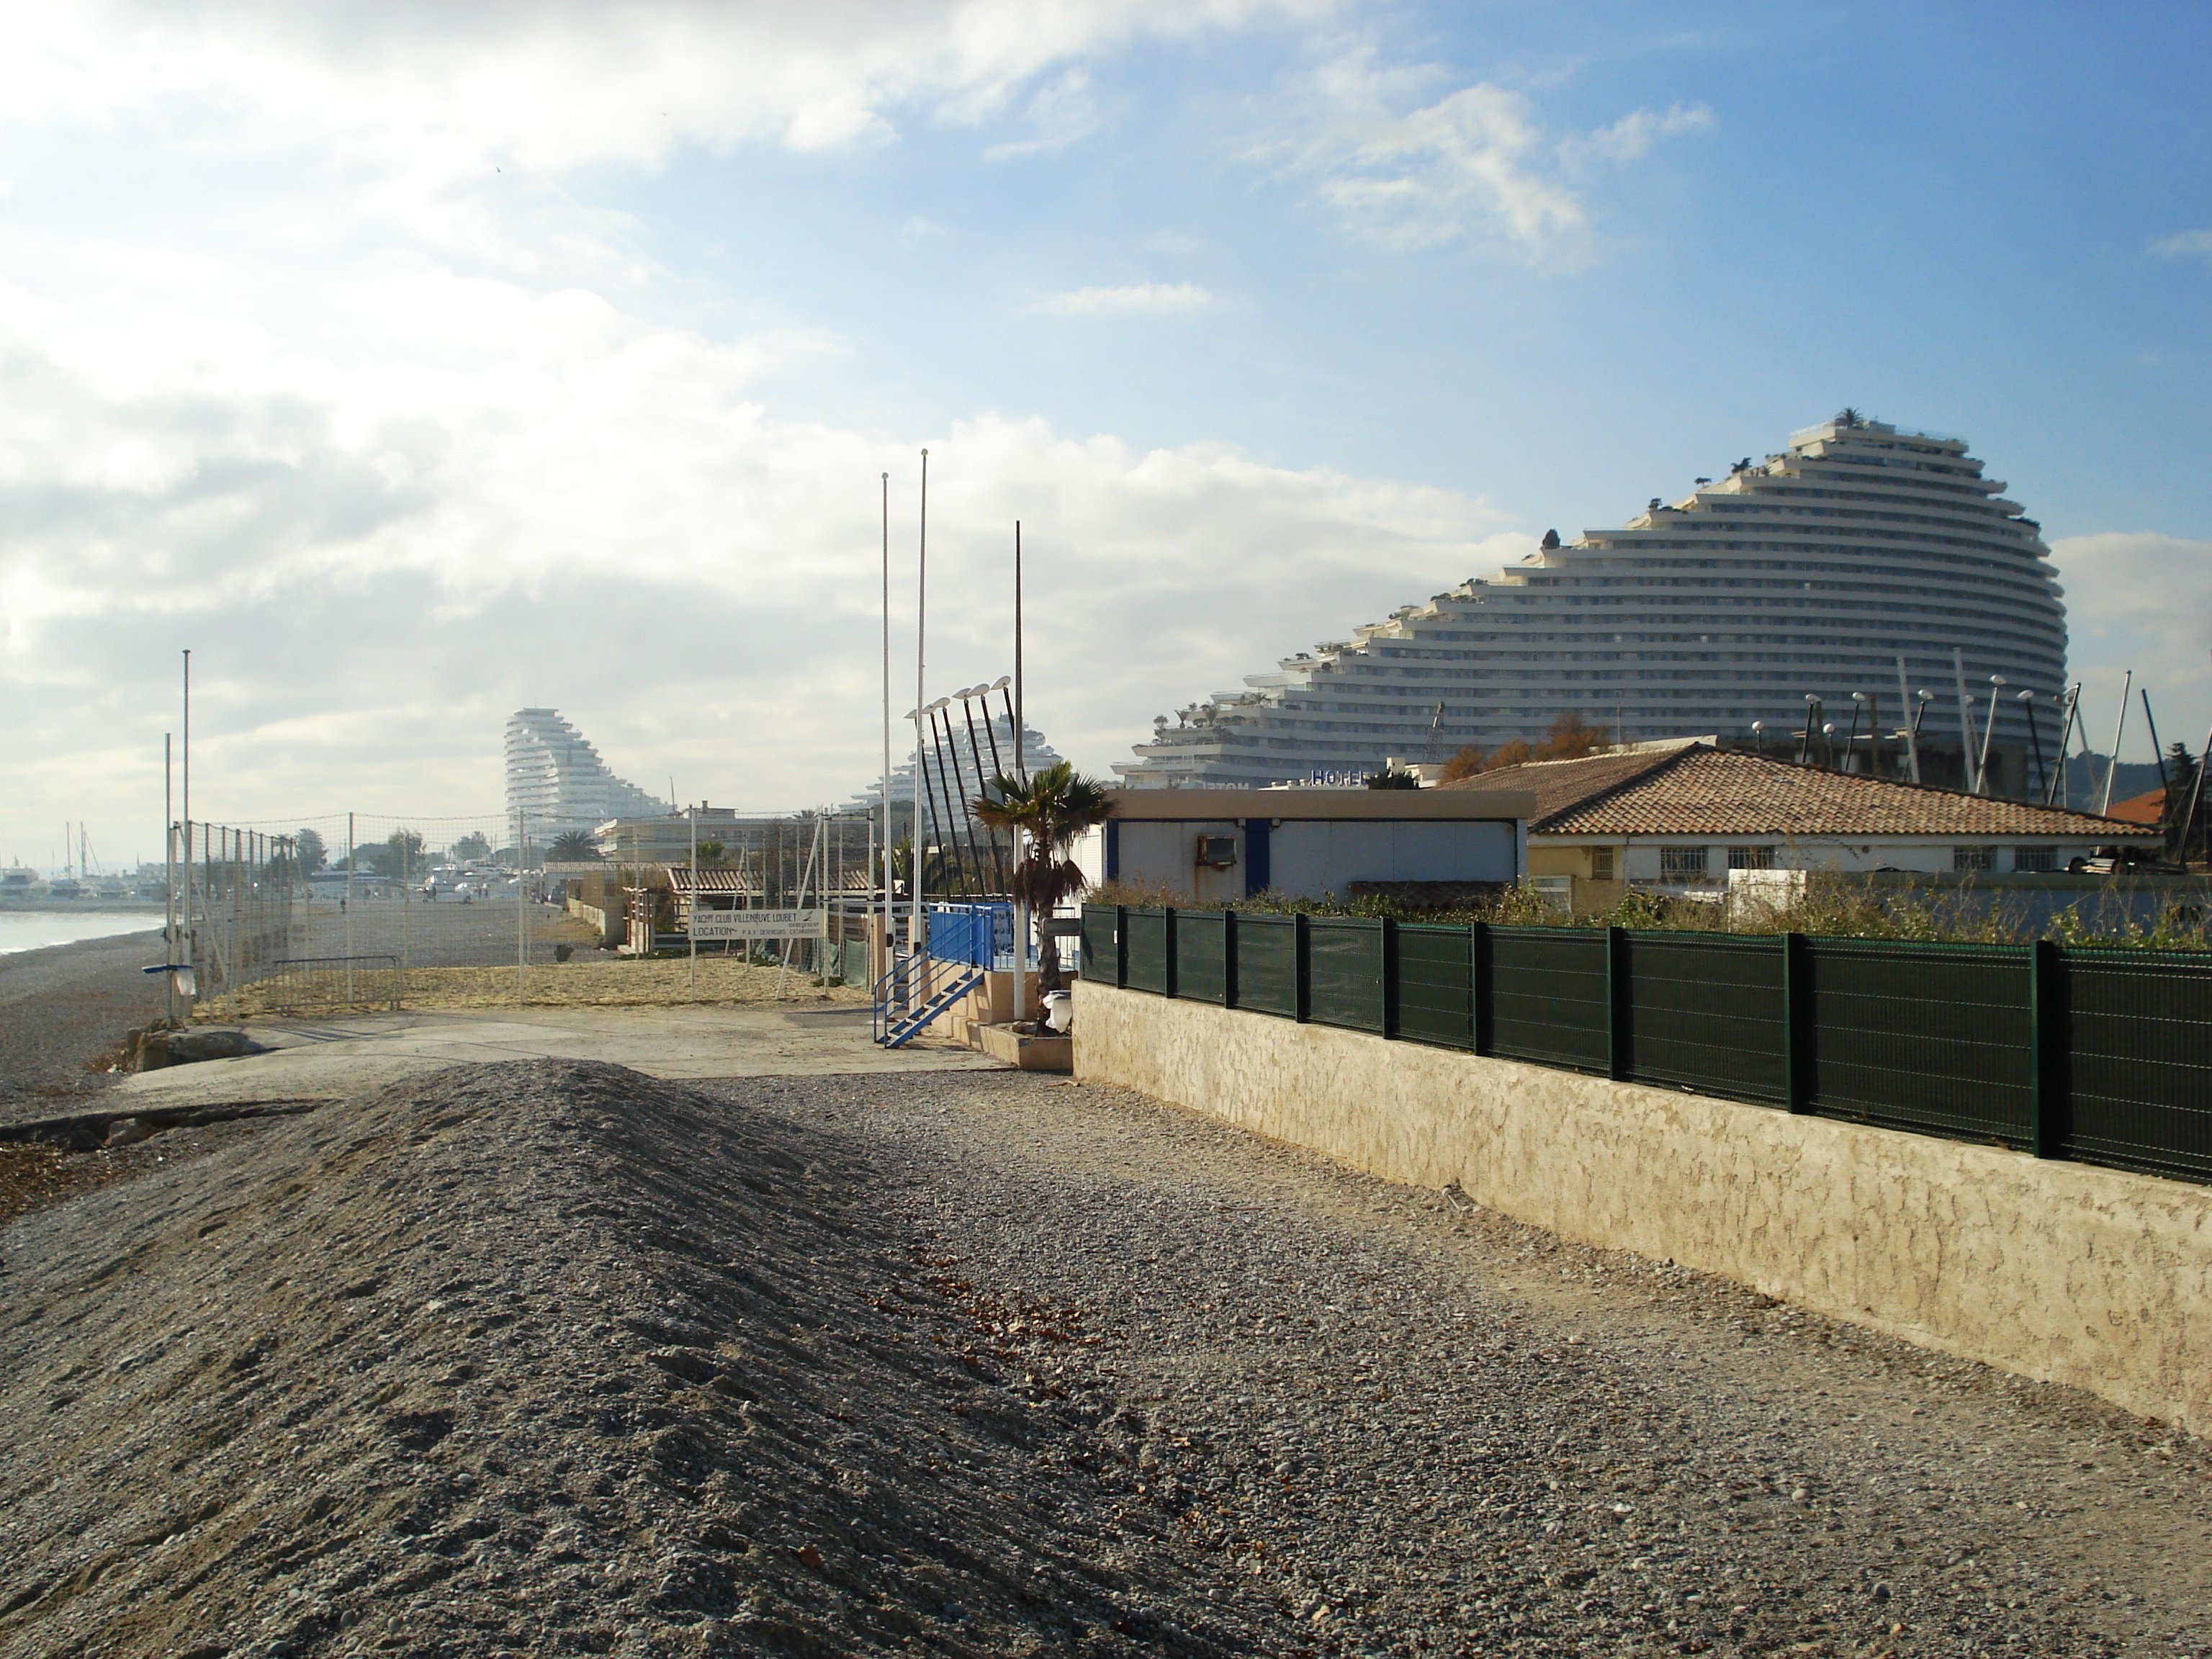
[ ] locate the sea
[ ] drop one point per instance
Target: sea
(34, 930)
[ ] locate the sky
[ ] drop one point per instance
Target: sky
(411, 363)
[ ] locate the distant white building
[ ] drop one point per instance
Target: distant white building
(558, 780)
(1810, 572)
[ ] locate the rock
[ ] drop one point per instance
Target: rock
(183, 1048)
(127, 1132)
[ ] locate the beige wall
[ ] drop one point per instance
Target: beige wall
(2052, 1270)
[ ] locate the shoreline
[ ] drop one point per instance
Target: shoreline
(63, 1008)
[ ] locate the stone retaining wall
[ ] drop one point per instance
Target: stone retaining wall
(2052, 1270)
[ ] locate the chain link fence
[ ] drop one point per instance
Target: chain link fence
(360, 912)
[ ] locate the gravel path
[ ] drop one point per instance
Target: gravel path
(551, 1358)
(65, 1009)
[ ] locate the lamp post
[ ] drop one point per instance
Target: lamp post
(1989, 730)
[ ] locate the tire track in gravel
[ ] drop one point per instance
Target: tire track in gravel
(1410, 1430)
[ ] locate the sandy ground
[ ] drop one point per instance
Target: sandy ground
(594, 982)
(551, 1358)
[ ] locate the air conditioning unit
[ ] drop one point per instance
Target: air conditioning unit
(1217, 852)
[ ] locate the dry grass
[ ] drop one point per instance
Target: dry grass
(623, 984)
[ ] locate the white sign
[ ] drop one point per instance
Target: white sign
(741, 925)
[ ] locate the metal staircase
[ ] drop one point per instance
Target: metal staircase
(898, 1019)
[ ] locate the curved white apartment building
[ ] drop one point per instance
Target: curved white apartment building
(1809, 574)
(557, 778)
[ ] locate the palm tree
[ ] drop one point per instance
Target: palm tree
(574, 847)
(1051, 809)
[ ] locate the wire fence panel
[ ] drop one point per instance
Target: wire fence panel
(1345, 973)
(1925, 1037)
(1435, 984)
(1145, 947)
(1268, 965)
(1100, 957)
(1707, 1011)
(2140, 1038)
(1549, 996)
(1201, 948)
(335, 985)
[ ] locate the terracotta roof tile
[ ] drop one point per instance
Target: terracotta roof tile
(1697, 790)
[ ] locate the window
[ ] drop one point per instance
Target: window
(1751, 858)
(1973, 858)
(1601, 864)
(1682, 864)
(2035, 859)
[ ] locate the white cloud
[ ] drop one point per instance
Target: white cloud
(476, 495)
(2185, 245)
(1136, 298)
(1477, 164)
(449, 89)
(2141, 600)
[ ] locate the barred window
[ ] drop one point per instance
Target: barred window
(1682, 861)
(1973, 858)
(1751, 858)
(2035, 859)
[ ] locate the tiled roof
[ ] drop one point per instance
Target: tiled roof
(2143, 809)
(1698, 790)
(714, 880)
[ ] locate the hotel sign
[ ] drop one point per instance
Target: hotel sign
(715, 927)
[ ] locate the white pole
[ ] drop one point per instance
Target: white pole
(1988, 730)
(346, 905)
(1904, 703)
(888, 954)
(1966, 774)
(169, 863)
(186, 921)
(917, 932)
(2104, 800)
(691, 916)
(1021, 770)
(521, 903)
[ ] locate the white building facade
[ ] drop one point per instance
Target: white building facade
(1808, 575)
(556, 779)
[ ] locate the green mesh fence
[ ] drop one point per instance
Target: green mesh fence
(1101, 950)
(1924, 1036)
(1706, 1011)
(1344, 967)
(1145, 950)
(1435, 984)
(1547, 995)
(2140, 1041)
(1268, 965)
(1201, 954)
(2104, 1055)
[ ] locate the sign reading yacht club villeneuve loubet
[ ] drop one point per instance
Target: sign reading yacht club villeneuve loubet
(747, 925)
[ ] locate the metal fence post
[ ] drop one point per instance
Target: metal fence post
(1797, 1020)
(1478, 987)
(1169, 979)
(1616, 1036)
(1302, 970)
(2049, 1034)
(1121, 946)
(1229, 958)
(1389, 978)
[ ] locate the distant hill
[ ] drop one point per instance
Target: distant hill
(2085, 779)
